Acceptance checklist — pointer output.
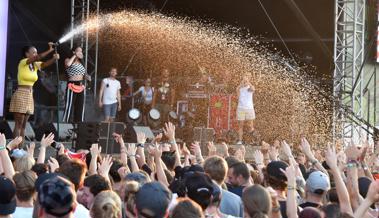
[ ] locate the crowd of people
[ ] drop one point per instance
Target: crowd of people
(162, 178)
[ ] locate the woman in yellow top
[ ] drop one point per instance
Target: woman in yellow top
(22, 103)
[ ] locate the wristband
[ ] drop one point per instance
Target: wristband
(172, 142)
(131, 156)
(351, 165)
(314, 162)
(140, 145)
(289, 187)
(3, 147)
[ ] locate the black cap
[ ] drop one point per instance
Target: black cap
(273, 170)
(7, 196)
(57, 196)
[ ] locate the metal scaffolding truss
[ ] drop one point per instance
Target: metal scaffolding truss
(80, 12)
(348, 84)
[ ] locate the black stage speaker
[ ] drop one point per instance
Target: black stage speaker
(45, 129)
(6, 129)
(101, 133)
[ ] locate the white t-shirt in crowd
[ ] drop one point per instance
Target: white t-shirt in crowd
(23, 212)
(148, 96)
(245, 100)
(111, 87)
(81, 212)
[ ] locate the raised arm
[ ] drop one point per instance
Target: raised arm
(156, 151)
(45, 142)
(41, 55)
(343, 195)
(309, 154)
(290, 173)
(69, 61)
(169, 132)
(131, 152)
(371, 198)
(50, 61)
(95, 153)
(5, 159)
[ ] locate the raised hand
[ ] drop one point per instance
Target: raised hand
(331, 157)
(104, 167)
(131, 150)
(155, 151)
(95, 150)
(30, 149)
(212, 150)
(61, 149)
(225, 149)
(258, 157)
(290, 173)
(195, 148)
(352, 152)
(118, 138)
(169, 131)
(240, 153)
(265, 147)
(306, 148)
(141, 138)
(287, 149)
(2, 141)
(53, 163)
(14, 143)
(158, 138)
(273, 153)
(47, 140)
(185, 150)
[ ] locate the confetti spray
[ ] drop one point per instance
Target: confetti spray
(288, 105)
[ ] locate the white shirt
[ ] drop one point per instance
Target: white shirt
(81, 212)
(245, 100)
(148, 96)
(111, 88)
(23, 212)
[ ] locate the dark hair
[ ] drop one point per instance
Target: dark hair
(96, 184)
(199, 188)
(24, 183)
(332, 195)
(62, 158)
(331, 210)
(310, 212)
(168, 159)
(241, 169)
(74, 47)
(186, 208)
(74, 170)
(26, 49)
(231, 161)
(113, 172)
(40, 168)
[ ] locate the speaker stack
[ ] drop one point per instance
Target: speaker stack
(94, 132)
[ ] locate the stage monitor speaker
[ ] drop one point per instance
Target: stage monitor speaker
(45, 129)
(203, 136)
(6, 129)
(145, 129)
(88, 133)
(65, 131)
(29, 132)
(101, 133)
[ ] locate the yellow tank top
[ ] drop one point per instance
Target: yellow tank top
(27, 73)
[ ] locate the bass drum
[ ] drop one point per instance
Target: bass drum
(154, 114)
(172, 115)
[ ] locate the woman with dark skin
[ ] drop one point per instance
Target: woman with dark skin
(22, 103)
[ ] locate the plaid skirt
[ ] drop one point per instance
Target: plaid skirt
(22, 102)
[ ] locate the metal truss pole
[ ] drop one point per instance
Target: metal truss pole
(81, 11)
(348, 58)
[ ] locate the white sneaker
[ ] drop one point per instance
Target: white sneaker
(239, 143)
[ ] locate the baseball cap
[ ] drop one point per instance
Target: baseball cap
(317, 181)
(57, 196)
(152, 200)
(42, 178)
(200, 188)
(7, 199)
(273, 170)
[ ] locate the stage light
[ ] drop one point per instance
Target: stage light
(3, 50)
(134, 116)
(153, 118)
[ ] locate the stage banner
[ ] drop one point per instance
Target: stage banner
(222, 113)
(3, 50)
